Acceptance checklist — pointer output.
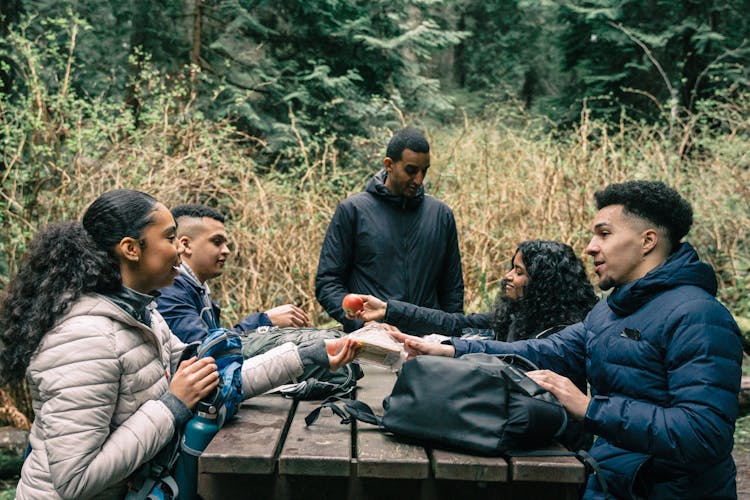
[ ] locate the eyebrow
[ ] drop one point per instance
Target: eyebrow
(600, 224)
(170, 229)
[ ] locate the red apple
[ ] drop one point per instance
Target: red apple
(352, 303)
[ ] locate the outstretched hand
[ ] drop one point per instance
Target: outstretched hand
(574, 401)
(288, 315)
(417, 346)
(194, 379)
(373, 309)
(341, 351)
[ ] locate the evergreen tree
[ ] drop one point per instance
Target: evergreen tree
(652, 56)
(312, 70)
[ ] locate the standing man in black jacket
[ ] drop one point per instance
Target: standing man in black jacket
(392, 240)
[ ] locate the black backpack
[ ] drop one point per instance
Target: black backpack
(316, 382)
(478, 404)
(489, 406)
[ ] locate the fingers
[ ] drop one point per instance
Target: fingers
(201, 374)
(399, 337)
(574, 401)
(390, 328)
(334, 346)
(194, 379)
(288, 315)
(299, 317)
(416, 346)
(373, 308)
(349, 349)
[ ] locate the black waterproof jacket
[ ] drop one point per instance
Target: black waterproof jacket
(391, 247)
(420, 321)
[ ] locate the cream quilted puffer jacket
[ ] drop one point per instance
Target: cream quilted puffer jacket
(96, 379)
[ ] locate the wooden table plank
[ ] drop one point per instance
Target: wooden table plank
(548, 469)
(379, 455)
(249, 443)
(453, 465)
(323, 449)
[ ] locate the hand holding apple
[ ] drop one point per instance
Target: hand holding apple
(352, 304)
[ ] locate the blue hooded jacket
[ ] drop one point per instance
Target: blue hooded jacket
(662, 357)
(190, 314)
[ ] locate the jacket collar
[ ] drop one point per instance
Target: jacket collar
(376, 186)
(136, 304)
(192, 278)
(683, 267)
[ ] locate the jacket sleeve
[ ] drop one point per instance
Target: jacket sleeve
(451, 285)
(335, 263)
(271, 369)
(422, 320)
(79, 392)
(703, 368)
(563, 353)
(252, 322)
(181, 315)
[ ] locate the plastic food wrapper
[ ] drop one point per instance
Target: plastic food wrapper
(377, 347)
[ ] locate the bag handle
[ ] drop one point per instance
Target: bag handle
(352, 409)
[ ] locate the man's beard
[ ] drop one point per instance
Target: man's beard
(606, 283)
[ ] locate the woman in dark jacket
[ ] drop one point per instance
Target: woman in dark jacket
(545, 289)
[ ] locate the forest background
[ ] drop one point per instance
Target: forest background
(274, 112)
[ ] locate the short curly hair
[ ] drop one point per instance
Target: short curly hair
(558, 292)
(408, 138)
(653, 201)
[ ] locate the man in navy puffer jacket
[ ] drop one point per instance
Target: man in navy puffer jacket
(661, 354)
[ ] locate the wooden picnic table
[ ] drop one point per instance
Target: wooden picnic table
(269, 452)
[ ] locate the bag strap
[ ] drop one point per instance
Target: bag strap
(352, 409)
(589, 462)
(592, 467)
(158, 469)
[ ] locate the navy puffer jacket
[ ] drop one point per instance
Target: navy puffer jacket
(663, 358)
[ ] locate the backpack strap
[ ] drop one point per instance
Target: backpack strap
(156, 474)
(592, 467)
(352, 409)
(549, 331)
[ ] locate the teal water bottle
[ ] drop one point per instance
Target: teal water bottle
(199, 431)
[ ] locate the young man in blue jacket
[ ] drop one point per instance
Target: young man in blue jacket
(661, 355)
(187, 305)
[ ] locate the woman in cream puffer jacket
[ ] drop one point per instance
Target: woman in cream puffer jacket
(114, 373)
(102, 364)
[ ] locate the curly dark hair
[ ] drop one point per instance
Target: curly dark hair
(64, 261)
(653, 201)
(558, 292)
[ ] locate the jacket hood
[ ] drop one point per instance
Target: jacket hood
(683, 267)
(100, 305)
(376, 186)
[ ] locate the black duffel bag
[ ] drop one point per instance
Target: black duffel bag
(477, 403)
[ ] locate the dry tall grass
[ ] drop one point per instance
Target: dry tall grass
(505, 184)
(505, 178)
